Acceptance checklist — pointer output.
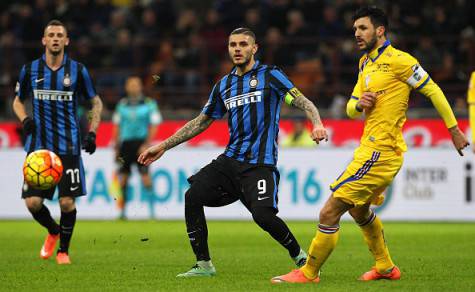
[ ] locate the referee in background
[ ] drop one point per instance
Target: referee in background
(135, 119)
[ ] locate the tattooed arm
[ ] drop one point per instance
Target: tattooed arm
(95, 114)
(309, 108)
(185, 133)
(300, 101)
(188, 131)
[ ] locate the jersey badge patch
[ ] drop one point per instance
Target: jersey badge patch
(67, 80)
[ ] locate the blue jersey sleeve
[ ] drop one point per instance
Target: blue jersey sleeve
(214, 108)
(86, 86)
(22, 86)
(280, 82)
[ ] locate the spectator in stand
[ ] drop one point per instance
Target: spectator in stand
(299, 137)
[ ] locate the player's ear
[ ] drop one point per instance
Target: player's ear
(380, 30)
(43, 41)
(66, 41)
(255, 47)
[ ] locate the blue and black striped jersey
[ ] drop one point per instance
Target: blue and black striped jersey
(55, 95)
(253, 103)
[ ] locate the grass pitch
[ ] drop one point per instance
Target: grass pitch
(146, 256)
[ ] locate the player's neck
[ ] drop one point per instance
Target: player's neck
(241, 70)
(54, 61)
(374, 51)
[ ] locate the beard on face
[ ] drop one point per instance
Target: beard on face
(371, 44)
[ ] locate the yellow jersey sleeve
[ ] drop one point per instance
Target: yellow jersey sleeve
(433, 91)
(408, 70)
(351, 111)
(471, 90)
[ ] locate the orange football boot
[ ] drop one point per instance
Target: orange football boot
(296, 276)
(62, 258)
(47, 249)
(372, 275)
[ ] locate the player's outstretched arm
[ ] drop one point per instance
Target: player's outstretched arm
(185, 133)
(319, 132)
(433, 91)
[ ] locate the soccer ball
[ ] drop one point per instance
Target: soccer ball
(42, 169)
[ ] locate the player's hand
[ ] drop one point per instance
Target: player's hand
(319, 133)
(367, 100)
(459, 139)
(90, 143)
(28, 126)
(151, 154)
(143, 147)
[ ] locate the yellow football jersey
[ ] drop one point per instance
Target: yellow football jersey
(391, 74)
(471, 90)
(471, 105)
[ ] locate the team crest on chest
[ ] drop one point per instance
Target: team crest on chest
(253, 82)
(67, 80)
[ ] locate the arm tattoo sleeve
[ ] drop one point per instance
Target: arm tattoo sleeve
(95, 113)
(188, 131)
(309, 108)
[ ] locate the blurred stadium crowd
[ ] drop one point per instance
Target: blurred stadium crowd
(185, 43)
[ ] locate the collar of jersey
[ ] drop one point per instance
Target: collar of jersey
(65, 57)
(233, 71)
(136, 101)
(379, 51)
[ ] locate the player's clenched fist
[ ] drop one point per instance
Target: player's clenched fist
(459, 139)
(367, 100)
(319, 133)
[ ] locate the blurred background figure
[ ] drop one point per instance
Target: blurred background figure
(135, 119)
(300, 136)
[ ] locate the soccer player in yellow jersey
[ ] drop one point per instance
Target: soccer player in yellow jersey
(471, 107)
(386, 77)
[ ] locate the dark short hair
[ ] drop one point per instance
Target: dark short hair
(244, 30)
(376, 15)
(56, 22)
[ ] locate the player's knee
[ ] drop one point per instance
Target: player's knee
(67, 204)
(123, 179)
(263, 216)
(146, 180)
(194, 195)
(33, 205)
(329, 216)
(359, 215)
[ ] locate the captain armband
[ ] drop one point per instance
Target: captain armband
(291, 95)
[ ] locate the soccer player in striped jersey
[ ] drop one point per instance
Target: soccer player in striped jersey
(252, 95)
(54, 83)
(386, 77)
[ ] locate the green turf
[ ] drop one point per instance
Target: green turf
(113, 256)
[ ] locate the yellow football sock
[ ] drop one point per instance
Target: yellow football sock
(374, 237)
(322, 246)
